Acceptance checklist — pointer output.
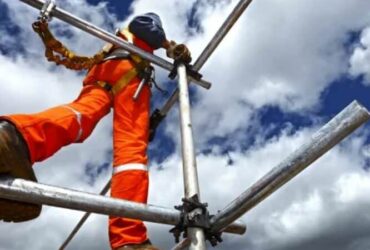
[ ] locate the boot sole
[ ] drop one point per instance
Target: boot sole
(15, 211)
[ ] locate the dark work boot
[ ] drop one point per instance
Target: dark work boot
(14, 161)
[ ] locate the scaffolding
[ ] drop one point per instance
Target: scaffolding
(192, 216)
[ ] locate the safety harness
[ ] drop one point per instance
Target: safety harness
(140, 69)
(56, 52)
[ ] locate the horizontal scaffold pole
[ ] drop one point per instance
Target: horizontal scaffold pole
(108, 37)
(27, 191)
(83, 219)
(352, 117)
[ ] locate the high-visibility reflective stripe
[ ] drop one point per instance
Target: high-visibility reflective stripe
(129, 166)
(79, 120)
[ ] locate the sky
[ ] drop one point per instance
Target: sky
(282, 72)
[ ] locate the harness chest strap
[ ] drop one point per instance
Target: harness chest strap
(140, 65)
(124, 80)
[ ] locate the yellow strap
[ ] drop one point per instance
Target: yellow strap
(132, 73)
(124, 81)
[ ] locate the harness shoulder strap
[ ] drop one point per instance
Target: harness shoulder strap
(139, 64)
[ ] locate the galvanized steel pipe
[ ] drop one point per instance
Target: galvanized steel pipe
(196, 235)
(83, 219)
(22, 190)
(352, 117)
(27, 191)
(110, 38)
(212, 45)
(221, 33)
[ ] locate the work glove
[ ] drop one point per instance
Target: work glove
(179, 52)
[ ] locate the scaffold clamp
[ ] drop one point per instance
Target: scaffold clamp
(45, 13)
(189, 70)
(195, 214)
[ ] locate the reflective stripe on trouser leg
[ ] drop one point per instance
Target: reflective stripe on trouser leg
(130, 136)
(46, 132)
(129, 166)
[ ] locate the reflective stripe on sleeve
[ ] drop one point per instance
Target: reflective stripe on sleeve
(79, 120)
(129, 166)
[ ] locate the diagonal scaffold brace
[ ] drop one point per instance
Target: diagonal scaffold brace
(159, 114)
(193, 218)
(339, 127)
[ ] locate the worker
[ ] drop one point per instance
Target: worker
(112, 80)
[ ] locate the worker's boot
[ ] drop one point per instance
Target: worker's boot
(14, 162)
(144, 246)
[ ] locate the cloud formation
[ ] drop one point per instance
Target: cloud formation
(280, 53)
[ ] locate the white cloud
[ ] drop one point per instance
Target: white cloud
(360, 59)
(279, 53)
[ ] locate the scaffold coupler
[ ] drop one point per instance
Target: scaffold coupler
(45, 12)
(189, 70)
(195, 214)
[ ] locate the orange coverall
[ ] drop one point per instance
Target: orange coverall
(48, 131)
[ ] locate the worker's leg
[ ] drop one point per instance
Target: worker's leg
(25, 139)
(130, 174)
(48, 131)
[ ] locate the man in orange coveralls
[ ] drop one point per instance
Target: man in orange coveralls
(29, 138)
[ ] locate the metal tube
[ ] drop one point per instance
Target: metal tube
(352, 117)
(22, 190)
(221, 33)
(184, 244)
(27, 191)
(170, 102)
(83, 220)
(196, 235)
(216, 40)
(110, 38)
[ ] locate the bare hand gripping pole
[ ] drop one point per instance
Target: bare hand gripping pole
(108, 37)
(352, 117)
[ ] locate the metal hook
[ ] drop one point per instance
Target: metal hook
(45, 13)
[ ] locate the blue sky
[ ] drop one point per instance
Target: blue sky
(283, 71)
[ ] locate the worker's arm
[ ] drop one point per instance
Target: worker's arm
(148, 27)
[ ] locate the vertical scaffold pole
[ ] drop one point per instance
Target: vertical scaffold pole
(210, 48)
(196, 235)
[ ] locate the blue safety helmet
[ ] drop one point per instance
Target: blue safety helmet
(148, 27)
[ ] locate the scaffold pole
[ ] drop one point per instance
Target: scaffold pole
(347, 121)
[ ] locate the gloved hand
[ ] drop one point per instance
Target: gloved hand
(179, 52)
